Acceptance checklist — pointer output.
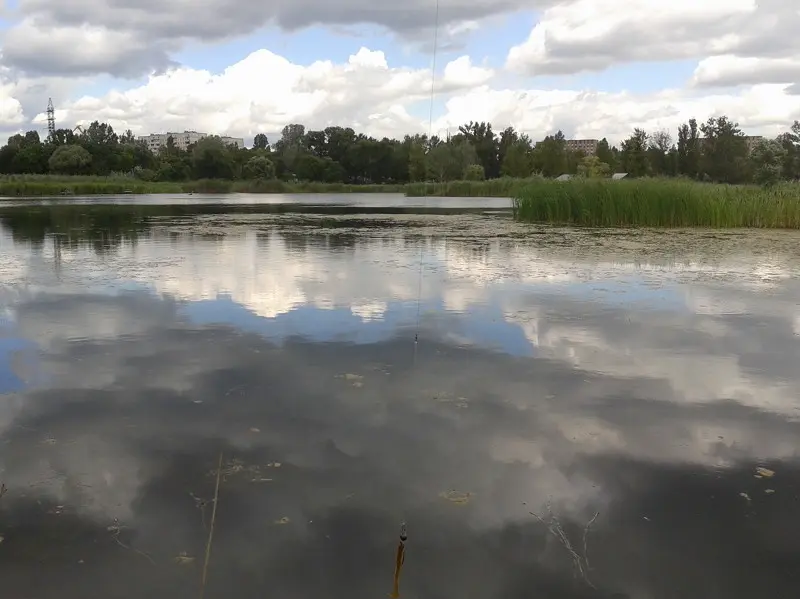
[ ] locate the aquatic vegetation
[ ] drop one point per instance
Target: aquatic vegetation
(658, 203)
(505, 187)
(15, 186)
(53, 185)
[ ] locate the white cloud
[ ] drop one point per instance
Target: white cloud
(265, 91)
(742, 47)
(82, 49)
(585, 35)
(145, 29)
(730, 70)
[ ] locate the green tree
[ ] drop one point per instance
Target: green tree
(449, 161)
(70, 160)
(659, 154)
(481, 137)
(550, 155)
(211, 159)
(260, 142)
(474, 172)
(592, 167)
(724, 151)
(606, 154)
(767, 159)
(518, 159)
(259, 167)
(633, 154)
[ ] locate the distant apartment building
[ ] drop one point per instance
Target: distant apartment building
(752, 141)
(156, 141)
(587, 146)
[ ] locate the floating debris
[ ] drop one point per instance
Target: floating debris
(261, 480)
(746, 496)
(769, 491)
(765, 472)
(183, 559)
(355, 379)
(284, 520)
(255, 430)
(457, 497)
(254, 472)
(450, 398)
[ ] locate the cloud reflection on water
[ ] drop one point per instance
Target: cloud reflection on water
(645, 392)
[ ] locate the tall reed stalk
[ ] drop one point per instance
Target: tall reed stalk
(657, 203)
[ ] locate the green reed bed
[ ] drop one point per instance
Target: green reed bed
(658, 203)
(50, 185)
(47, 185)
(278, 186)
(505, 187)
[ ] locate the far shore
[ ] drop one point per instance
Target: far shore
(33, 186)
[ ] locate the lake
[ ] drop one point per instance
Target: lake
(553, 412)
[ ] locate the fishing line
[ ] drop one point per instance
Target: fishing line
(430, 135)
(400, 556)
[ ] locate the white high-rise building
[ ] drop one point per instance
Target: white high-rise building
(156, 141)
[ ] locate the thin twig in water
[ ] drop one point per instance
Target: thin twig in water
(211, 529)
(580, 564)
(115, 530)
(201, 505)
(586, 540)
(3, 489)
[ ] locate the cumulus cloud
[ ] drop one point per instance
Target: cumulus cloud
(365, 93)
(763, 109)
(744, 50)
(82, 50)
(592, 35)
(143, 32)
(372, 96)
(730, 70)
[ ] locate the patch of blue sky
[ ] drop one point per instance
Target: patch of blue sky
(300, 47)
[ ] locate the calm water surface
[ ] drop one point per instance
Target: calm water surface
(586, 414)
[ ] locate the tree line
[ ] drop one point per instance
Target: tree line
(716, 150)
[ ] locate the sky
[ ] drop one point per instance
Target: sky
(592, 68)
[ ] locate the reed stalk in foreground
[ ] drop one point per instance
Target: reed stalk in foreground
(211, 529)
(658, 203)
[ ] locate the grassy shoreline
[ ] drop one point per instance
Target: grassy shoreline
(583, 202)
(16, 186)
(658, 203)
(31, 186)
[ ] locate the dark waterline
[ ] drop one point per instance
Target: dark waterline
(640, 376)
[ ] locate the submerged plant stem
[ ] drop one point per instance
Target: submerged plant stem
(211, 528)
